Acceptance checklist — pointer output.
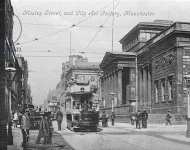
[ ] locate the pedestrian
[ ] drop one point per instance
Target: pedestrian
(104, 119)
(43, 130)
(59, 118)
(50, 128)
(132, 118)
(144, 119)
(138, 119)
(168, 118)
(112, 118)
(15, 119)
(25, 127)
(20, 114)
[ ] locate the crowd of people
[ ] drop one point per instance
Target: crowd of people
(139, 119)
(22, 119)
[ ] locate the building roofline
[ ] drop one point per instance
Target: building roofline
(142, 25)
(114, 56)
(165, 33)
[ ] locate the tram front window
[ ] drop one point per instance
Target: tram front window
(76, 117)
(69, 117)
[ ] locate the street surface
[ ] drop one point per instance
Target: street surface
(125, 137)
(122, 136)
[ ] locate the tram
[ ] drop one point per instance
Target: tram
(82, 116)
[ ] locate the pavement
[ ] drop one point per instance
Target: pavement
(58, 143)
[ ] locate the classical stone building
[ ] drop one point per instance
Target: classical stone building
(168, 69)
(163, 53)
(118, 82)
(134, 41)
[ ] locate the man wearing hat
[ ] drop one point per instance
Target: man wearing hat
(44, 129)
(59, 118)
(25, 126)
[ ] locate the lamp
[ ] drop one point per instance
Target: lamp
(10, 68)
(10, 72)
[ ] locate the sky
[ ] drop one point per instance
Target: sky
(51, 30)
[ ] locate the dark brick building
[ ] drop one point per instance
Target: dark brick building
(6, 24)
(11, 83)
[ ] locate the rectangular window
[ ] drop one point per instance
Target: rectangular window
(133, 92)
(132, 75)
(163, 86)
(144, 36)
(156, 91)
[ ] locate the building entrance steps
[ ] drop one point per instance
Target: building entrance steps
(155, 118)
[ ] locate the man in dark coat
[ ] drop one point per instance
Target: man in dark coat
(112, 118)
(144, 119)
(59, 118)
(168, 118)
(43, 130)
(138, 119)
(104, 119)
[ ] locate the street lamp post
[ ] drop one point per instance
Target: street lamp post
(187, 86)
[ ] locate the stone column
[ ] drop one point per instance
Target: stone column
(116, 87)
(144, 86)
(149, 88)
(119, 89)
(139, 86)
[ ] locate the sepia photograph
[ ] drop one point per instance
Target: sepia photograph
(94, 74)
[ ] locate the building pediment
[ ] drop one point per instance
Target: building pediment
(117, 57)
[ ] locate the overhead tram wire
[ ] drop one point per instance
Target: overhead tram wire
(81, 26)
(100, 28)
(55, 33)
(37, 56)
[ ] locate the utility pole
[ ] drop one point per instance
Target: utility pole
(70, 36)
(113, 19)
(70, 43)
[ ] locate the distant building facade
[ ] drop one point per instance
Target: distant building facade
(81, 82)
